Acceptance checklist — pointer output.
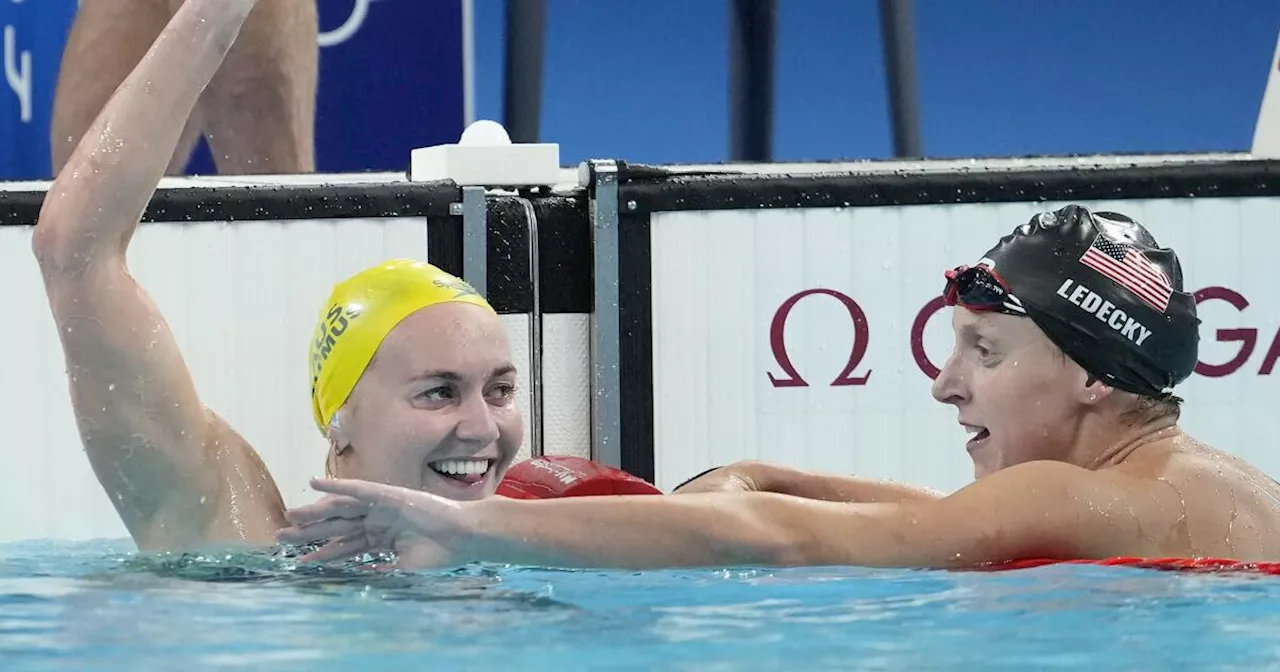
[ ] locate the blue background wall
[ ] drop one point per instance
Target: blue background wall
(649, 81)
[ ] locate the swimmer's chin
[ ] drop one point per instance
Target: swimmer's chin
(979, 449)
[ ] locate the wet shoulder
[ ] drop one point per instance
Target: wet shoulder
(1230, 507)
(1203, 466)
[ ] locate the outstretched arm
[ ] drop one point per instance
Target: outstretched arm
(1035, 510)
(1041, 510)
(171, 467)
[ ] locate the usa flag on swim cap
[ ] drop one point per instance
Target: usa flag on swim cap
(1130, 269)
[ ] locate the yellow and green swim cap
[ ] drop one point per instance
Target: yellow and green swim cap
(360, 313)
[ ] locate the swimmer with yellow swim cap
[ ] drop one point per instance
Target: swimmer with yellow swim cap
(411, 374)
(412, 382)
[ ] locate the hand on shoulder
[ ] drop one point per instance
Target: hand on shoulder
(736, 477)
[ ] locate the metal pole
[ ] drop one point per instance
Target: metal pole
(536, 449)
(752, 35)
(897, 27)
(522, 90)
(475, 238)
(601, 177)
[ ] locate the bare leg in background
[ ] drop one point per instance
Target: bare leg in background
(106, 42)
(258, 112)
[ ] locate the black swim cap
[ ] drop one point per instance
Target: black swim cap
(1101, 288)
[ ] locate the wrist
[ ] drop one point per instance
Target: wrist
(481, 523)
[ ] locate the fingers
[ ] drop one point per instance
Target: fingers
(327, 507)
(712, 483)
(708, 474)
(705, 483)
(364, 490)
(331, 528)
(338, 549)
(359, 516)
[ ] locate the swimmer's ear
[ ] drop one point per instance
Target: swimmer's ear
(339, 442)
(1094, 391)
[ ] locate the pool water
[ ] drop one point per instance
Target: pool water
(102, 606)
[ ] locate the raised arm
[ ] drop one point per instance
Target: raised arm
(176, 473)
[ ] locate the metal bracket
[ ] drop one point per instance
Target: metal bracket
(475, 237)
(601, 178)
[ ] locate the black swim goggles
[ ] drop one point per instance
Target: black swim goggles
(979, 288)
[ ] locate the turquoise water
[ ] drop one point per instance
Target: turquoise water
(101, 606)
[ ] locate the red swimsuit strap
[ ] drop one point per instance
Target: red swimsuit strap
(1167, 564)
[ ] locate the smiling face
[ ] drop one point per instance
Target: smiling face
(436, 408)
(1016, 393)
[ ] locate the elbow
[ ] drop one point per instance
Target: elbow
(795, 554)
(776, 538)
(79, 217)
(63, 241)
(50, 241)
(55, 254)
(47, 243)
(797, 550)
(804, 548)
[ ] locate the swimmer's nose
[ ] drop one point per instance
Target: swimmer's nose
(949, 387)
(476, 423)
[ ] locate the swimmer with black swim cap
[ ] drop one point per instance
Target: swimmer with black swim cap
(1070, 336)
(1102, 292)
(1099, 289)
